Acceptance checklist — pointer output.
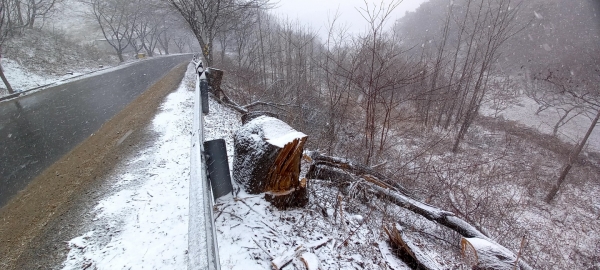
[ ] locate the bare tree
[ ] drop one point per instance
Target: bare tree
(174, 32)
(21, 14)
(554, 101)
(180, 42)
(38, 9)
(337, 81)
(207, 18)
(574, 84)
(380, 73)
(495, 23)
(146, 33)
(164, 38)
(3, 35)
(117, 20)
(462, 67)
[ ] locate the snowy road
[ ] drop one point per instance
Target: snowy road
(37, 129)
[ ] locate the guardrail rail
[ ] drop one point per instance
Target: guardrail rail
(203, 250)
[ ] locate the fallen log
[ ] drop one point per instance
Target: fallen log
(389, 257)
(488, 255)
(418, 258)
(324, 167)
(267, 160)
(310, 260)
(354, 168)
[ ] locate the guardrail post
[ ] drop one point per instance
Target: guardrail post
(218, 167)
(204, 93)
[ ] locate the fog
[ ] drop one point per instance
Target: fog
(318, 14)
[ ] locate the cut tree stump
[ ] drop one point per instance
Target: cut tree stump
(215, 76)
(267, 160)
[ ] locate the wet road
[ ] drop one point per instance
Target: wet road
(38, 129)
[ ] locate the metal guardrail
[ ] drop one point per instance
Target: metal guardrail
(203, 250)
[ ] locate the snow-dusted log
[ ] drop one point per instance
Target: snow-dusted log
(328, 167)
(488, 255)
(310, 260)
(418, 258)
(267, 160)
(355, 169)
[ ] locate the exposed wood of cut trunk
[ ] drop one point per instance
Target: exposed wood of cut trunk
(263, 166)
(285, 171)
(282, 182)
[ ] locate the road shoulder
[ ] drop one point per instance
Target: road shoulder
(34, 221)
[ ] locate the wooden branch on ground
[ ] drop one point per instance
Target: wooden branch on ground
(318, 244)
(215, 78)
(329, 168)
(356, 169)
(305, 254)
(281, 261)
(310, 260)
(226, 101)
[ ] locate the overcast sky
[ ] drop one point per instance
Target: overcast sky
(316, 12)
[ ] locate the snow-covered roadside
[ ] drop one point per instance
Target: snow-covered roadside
(143, 223)
(21, 79)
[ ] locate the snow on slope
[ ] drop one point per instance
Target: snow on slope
(74, 19)
(523, 112)
(22, 79)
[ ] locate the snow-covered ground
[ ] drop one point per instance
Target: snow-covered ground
(21, 79)
(143, 223)
(523, 111)
(146, 216)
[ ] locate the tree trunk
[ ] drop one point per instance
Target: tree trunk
(31, 20)
(6, 83)
(215, 77)
(572, 159)
(267, 160)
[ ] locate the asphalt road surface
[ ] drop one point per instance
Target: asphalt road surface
(38, 129)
